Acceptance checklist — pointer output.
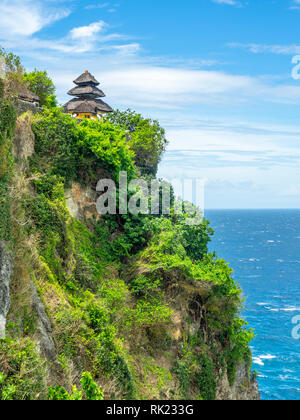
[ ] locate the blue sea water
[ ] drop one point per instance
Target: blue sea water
(263, 248)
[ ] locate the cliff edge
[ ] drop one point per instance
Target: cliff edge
(135, 301)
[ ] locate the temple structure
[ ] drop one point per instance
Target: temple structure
(86, 103)
(25, 95)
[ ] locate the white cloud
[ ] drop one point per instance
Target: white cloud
(21, 20)
(228, 2)
(244, 165)
(132, 82)
(180, 88)
(131, 79)
(26, 17)
(88, 31)
(97, 6)
(265, 48)
(296, 5)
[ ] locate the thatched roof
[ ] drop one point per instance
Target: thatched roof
(26, 95)
(86, 78)
(86, 108)
(87, 105)
(88, 90)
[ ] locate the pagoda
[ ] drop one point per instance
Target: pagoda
(86, 103)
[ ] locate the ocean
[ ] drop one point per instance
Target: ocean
(263, 248)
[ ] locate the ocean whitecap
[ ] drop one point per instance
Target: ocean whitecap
(290, 309)
(258, 361)
(267, 357)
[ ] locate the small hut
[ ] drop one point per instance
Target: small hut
(86, 103)
(25, 95)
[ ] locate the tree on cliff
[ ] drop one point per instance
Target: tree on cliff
(146, 138)
(14, 72)
(40, 83)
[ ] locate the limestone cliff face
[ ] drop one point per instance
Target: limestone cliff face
(44, 329)
(81, 203)
(23, 149)
(244, 388)
(6, 269)
(23, 142)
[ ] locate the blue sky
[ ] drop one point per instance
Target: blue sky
(216, 73)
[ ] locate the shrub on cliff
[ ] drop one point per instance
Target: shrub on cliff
(14, 74)
(77, 151)
(90, 391)
(22, 371)
(102, 143)
(146, 138)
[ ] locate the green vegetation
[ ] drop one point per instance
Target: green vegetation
(78, 151)
(22, 371)
(138, 307)
(7, 124)
(146, 138)
(17, 78)
(14, 75)
(40, 84)
(90, 391)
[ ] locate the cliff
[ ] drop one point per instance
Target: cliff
(128, 300)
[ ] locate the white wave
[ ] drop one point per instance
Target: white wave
(258, 361)
(290, 309)
(267, 357)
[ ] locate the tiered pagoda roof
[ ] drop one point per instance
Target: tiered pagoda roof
(86, 97)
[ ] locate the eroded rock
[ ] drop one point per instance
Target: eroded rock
(23, 141)
(81, 202)
(44, 329)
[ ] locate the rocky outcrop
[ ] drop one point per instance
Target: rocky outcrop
(244, 388)
(23, 142)
(81, 202)
(6, 269)
(44, 329)
(23, 106)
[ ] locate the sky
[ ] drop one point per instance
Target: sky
(221, 76)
